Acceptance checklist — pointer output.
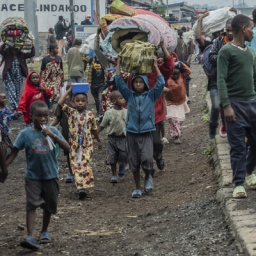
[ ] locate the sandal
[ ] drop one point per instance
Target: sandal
(44, 238)
(30, 243)
(69, 178)
(251, 181)
(82, 193)
(136, 193)
(148, 184)
(239, 192)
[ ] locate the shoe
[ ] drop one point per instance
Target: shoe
(222, 131)
(239, 192)
(121, 171)
(114, 179)
(30, 243)
(82, 193)
(177, 141)
(69, 178)
(251, 181)
(136, 193)
(160, 164)
(44, 238)
(165, 140)
(148, 184)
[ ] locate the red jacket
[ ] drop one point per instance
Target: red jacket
(166, 69)
(30, 94)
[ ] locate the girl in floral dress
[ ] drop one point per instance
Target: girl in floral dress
(82, 128)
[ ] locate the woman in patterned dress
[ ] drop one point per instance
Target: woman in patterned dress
(82, 128)
(52, 73)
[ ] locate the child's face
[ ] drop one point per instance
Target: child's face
(34, 78)
(40, 117)
(119, 101)
(3, 99)
(80, 102)
(175, 74)
(138, 85)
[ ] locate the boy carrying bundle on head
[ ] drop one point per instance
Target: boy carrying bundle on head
(140, 124)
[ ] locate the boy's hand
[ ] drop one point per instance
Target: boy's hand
(47, 131)
(229, 114)
(41, 88)
(3, 176)
(203, 16)
(155, 61)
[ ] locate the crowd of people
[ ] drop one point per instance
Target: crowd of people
(134, 119)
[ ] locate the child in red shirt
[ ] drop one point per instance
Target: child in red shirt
(33, 90)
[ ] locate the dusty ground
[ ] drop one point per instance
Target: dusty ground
(182, 216)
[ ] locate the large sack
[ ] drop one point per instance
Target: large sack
(15, 33)
(138, 57)
(216, 20)
(151, 25)
(118, 7)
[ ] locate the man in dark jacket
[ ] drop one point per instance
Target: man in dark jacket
(87, 21)
(60, 30)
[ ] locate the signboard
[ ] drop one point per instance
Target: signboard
(48, 11)
(83, 32)
(180, 25)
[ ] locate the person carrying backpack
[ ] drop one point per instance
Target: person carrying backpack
(216, 109)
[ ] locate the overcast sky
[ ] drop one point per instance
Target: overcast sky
(250, 3)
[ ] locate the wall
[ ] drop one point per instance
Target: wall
(48, 11)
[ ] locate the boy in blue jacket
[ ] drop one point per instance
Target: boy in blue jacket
(140, 124)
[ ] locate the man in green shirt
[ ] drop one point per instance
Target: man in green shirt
(236, 80)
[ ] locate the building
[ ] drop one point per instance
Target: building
(134, 3)
(180, 10)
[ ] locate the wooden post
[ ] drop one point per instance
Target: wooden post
(98, 10)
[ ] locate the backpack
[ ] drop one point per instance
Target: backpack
(209, 69)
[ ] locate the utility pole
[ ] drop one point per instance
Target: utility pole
(167, 10)
(30, 7)
(98, 11)
(72, 18)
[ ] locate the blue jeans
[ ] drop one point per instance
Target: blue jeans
(243, 161)
(215, 109)
(77, 79)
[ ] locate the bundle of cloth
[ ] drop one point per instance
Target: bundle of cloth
(216, 20)
(138, 57)
(15, 33)
(143, 27)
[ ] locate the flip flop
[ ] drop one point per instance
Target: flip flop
(239, 192)
(148, 184)
(69, 178)
(44, 238)
(251, 181)
(30, 243)
(121, 171)
(136, 193)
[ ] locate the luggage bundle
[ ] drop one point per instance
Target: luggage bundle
(15, 33)
(138, 57)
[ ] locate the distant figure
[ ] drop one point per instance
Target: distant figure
(75, 63)
(60, 30)
(50, 39)
(87, 20)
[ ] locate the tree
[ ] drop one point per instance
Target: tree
(158, 7)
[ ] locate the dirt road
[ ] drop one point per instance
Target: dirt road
(182, 216)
